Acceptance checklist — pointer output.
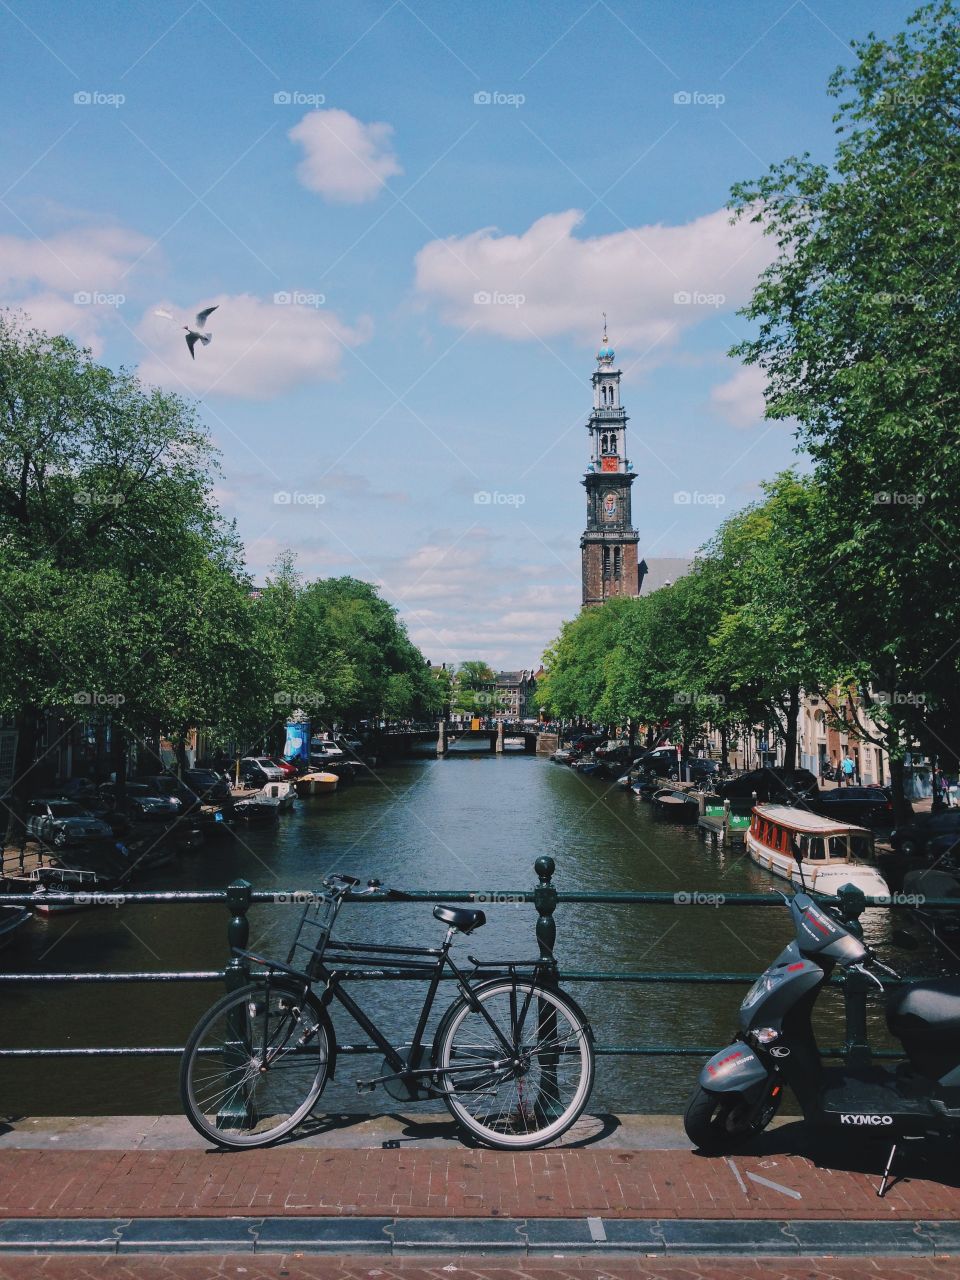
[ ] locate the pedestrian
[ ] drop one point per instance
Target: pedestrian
(849, 769)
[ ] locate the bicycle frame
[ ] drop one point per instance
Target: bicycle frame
(396, 963)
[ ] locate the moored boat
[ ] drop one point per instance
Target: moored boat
(314, 784)
(282, 792)
(833, 853)
(676, 805)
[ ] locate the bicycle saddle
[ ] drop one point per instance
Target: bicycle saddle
(460, 918)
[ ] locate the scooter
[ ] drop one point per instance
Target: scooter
(741, 1087)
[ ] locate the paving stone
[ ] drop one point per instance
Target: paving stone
(189, 1235)
(459, 1235)
(54, 1235)
(324, 1235)
(854, 1237)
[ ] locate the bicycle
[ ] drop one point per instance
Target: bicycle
(512, 1057)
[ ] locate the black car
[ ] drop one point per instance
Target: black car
(662, 761)
(207, 784)
(866, 806)
(779, 786)
(927, 835)
(141, 803)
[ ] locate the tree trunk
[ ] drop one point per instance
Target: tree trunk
(180, 747)
(790, 734)
(632, 733)
(723, 744)
(118, 754)
(27, 723)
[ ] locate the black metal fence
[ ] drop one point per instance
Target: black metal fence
(239, 896)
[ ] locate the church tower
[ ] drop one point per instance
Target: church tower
(609, 543)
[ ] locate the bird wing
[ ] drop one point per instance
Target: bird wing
(202, 316)
(192, 340)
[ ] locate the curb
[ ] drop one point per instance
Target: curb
(399, 1237)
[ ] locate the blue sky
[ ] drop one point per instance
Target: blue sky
(348, 183)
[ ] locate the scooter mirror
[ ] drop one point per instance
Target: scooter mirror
(905, 941)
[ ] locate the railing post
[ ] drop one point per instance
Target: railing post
(548, 1104)
(545, 900)
(236, 1112)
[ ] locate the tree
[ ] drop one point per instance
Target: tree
(858, 338)
(102, 486)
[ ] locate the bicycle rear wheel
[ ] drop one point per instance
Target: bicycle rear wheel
(255, 1064)
(525, 1098)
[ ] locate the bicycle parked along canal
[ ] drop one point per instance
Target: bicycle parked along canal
(512, 1057)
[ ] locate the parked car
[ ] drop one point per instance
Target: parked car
(915, 839)
(62, 822)
(661, 760)
(781, 786)
(260, 769)
(208, 784)
(866, 806)
(288, 770)
(325, 752)
(703, 771)
(140, 804)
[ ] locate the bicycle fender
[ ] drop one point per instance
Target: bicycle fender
(736, 1069)
(323, 1017)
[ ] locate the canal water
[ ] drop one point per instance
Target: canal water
(465, 822)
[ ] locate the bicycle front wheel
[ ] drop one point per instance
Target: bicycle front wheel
(255, 1064)
(530, 1095)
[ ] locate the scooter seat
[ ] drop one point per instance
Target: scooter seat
(925, 1004)
(925, 1016)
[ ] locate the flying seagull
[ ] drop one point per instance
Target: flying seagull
(195, 333)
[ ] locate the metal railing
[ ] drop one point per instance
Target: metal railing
(239, 896)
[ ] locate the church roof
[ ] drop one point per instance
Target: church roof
(664, 569)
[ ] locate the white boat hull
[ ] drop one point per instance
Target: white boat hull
(821, 877)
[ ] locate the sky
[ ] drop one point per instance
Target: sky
(411, 216)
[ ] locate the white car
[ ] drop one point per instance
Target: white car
(262, 766)
(320, 751)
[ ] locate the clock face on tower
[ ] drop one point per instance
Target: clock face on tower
(609, 506)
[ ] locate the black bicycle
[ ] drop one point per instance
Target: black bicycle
(512, 1057)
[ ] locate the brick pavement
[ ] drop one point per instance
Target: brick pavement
(456, 1182)
(298, 1267)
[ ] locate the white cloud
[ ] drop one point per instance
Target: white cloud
(345, 160)
(72, 282)
(259, 348)
(547, 281)
(739, 400)
(90, 259)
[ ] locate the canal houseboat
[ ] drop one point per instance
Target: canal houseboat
(834, 853)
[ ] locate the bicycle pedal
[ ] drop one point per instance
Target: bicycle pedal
(365, 1086)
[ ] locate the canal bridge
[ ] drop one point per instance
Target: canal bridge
(448, 737)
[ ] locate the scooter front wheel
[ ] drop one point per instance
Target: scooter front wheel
(718, 1122)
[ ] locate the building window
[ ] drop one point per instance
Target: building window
(617, 562)
(606, 562)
